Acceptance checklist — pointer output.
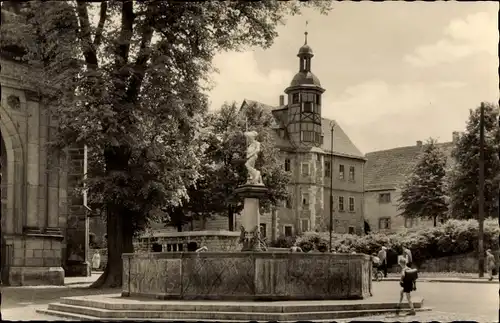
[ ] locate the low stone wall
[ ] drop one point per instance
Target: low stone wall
(247, 275)
(466, 263)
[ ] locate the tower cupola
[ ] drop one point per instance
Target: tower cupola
(304, 101)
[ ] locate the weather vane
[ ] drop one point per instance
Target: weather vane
(305, 33)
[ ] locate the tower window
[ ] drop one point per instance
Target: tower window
(287, 165)
(318, 99)
(307, 136)
(305, 198)
(305, 169)
(295, 98)
(307, 107)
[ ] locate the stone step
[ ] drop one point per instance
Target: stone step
(105, 314)
(79, 317)
(128, 304)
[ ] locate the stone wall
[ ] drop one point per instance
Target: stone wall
(465, 263)
(247, 275)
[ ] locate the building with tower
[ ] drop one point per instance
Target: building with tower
(315, 159)
(305, 140)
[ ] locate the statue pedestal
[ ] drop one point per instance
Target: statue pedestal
(250, 217)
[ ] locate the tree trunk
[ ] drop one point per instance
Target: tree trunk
(119, 229)
(435, 221)
(118, 224)
(230, 219)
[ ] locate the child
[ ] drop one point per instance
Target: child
(408, 278)
(490, 263)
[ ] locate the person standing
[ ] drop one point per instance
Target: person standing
(96, 260)
(382, 255)
(407, 282)
(407, 254)
(490, 263)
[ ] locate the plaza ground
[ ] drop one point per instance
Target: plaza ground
(450, 301)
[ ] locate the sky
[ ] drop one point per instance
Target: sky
(394, 72)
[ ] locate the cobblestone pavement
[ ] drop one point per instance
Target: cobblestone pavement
(449, 301)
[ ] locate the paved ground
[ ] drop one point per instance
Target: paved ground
(450, 301)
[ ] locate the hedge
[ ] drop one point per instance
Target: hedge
(451, 238)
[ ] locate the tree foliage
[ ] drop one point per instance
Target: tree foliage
(424, 193)
(224, 168)
(464, 176)
(126, 79)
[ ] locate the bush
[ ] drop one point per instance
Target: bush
(452, 238)
(284, 242)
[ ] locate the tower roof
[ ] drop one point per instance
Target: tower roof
(305, 78)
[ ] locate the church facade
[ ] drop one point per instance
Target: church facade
(42, 224)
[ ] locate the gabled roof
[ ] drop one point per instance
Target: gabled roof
(387, 169)
(342, 145)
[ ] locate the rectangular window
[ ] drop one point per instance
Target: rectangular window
(307, 107)
(328, 168)
(341, 171)
(287, 165)
(295, 98)
(289, 202)
(341, 204)
(263, 230)
(384, 198)
(305, 169)
(318, 157)
(288, 230)
(180, 247)
(384, 223)
(318, 99)
(351, 204)
(410, 222)
(321, 139)
(307, 136)
(351, 230)
(305, 198)
(351, 173)
(304, 225)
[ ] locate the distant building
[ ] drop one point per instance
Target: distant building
(386, 171)
(304, 138)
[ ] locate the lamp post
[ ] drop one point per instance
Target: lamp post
(332, 126)
(480, 220)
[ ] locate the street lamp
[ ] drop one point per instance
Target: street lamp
(332, 126)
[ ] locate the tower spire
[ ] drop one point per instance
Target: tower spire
(305, 34)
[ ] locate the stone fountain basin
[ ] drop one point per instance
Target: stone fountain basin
(247, 276)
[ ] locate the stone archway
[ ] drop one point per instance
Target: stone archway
(10, 150)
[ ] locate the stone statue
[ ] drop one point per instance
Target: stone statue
(253, 149)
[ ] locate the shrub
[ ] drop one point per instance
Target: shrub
(284, 242)
(452, 238)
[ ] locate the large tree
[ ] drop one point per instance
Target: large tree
(464, 176)
(223, 167)
(424, 193)
(126, 79)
